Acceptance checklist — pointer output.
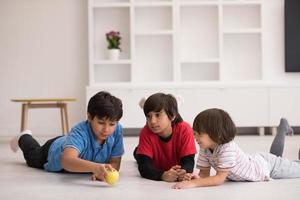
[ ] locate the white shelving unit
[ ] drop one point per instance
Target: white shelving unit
(209, 52)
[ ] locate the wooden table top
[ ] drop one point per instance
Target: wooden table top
(43, 100)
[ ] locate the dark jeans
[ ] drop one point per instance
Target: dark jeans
(35, 154)
(134, 153)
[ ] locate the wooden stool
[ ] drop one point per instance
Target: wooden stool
(45, 103)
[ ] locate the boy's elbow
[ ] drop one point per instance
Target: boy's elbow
(64, 162)
(220, 182)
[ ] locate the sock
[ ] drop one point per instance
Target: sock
(14, 142)
(278, 143)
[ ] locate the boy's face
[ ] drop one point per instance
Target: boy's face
(204, 140)
(102, 127)
(159, 123)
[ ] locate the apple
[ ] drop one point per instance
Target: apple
(112, 177)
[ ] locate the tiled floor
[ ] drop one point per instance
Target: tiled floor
(21, 182)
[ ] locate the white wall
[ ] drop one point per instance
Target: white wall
(43, 53)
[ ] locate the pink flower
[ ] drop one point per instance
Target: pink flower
(114, 40)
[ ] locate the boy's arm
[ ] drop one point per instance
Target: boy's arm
(187, 166)
(187, 163)
(204, 172)
(71, 162)
(215, 180)
(115, 162)
(146, 168)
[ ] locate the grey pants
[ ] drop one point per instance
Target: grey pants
(280, 168)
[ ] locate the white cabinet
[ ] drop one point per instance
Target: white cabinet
(104, 16)
(199, 40)
(176, 41)
(247, 106)
(285, 102)
(209, 52)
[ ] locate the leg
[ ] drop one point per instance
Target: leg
(63, 128)
(34, 154)
(282, 168)
(14, 145)
(31, 151)
(24, 116)
(278, 142)
(261, 131)
(66, 118)
(134, 153)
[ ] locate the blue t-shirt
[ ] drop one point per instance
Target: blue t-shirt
(84, 141)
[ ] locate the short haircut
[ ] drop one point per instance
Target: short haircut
(217, 124)
(104, 105)
(160, 101)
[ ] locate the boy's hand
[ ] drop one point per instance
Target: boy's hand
(181, 174)
(171, 175)
(195, 176)
(99, 178)
(184, 184)
(100, 171)
(187, 177)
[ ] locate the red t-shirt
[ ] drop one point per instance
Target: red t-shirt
(167, 154)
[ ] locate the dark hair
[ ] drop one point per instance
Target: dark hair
(160, 101)
(217, 124)
(104, 105)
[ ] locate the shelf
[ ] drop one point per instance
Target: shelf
(200, 72)
(218, 84)
(112, 73)
(242, 31)
(198, 3)
(153, 4)
(112, 62)
(242, 57)
(154, 59)
(199, 39)
(149, 19)
(153, 33)
(110, 3)
(153, 1)
(118, 20)
(241, 17)
(241, 2)
(195, 61)
(178, 41)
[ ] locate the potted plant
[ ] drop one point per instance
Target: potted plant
(114, 41)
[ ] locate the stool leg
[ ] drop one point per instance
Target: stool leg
(66, 118)
(62, 118)
(24, 116)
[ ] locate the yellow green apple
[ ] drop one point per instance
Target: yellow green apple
(112, 177)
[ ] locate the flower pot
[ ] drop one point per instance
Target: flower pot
(113, 54)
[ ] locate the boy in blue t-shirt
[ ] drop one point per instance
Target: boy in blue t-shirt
(94, 145)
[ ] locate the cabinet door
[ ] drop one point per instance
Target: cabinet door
(196, 100)
(242, 38)
(247, 106)
(153, 38)
(285, 102)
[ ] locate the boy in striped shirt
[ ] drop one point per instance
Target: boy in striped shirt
(214, 132)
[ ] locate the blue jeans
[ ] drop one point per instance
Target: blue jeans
(279, 168)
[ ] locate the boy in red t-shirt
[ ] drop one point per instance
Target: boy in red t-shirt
(166, 147)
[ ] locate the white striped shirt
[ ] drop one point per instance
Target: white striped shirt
(229, 157)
